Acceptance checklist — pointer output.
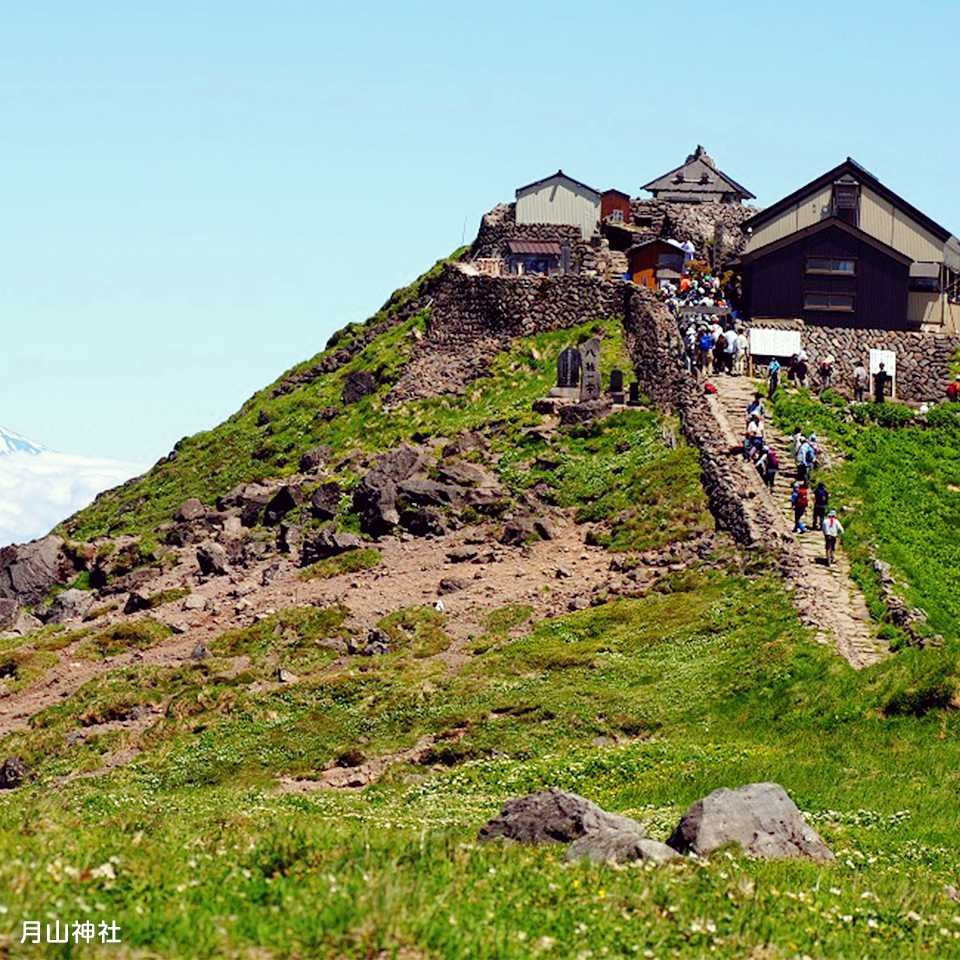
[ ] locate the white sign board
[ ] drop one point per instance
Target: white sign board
(889, 360)
(765, 342)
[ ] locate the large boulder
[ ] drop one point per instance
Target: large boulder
(191, 509)
(69, 605)
(467, 474)
(619, 846)
(327, 543)
(313, 460)
(375, 496)
(212, 559)
(287, 498)
(29, 570)
(358, 385)
(585, 411)
(249, 500)
(553, 816)
(325, 500)
(423, 492)
(759, 817)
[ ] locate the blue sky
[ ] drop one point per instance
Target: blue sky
(196, 196)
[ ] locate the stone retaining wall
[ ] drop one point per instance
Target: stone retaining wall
(922, 358)
(469, 307)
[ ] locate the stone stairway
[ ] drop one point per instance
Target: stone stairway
(828, 598)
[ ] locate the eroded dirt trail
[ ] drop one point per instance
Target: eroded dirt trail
(827, 596)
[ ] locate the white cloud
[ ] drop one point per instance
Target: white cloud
(39, 490)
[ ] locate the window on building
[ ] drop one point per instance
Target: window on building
(616, 216)
(844, 268)
(924, 277)
(670, 261)
(842, 302)
(846, 200)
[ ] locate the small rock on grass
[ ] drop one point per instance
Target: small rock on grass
(619, 846)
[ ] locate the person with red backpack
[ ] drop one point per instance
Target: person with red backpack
(953, 391)
(799, 498)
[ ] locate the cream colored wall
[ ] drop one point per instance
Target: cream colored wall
(557, 201)
(775, 229)
(933, 312)
(882, 220)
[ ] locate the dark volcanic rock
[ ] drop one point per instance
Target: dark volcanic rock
(325, 501)
(375, 497)
(212, 559)
(327, 543)
(287, 498)
(358, 385)
(585, 411)
(450, 585)
(137, 600)
(313, 460)
(554, 816)
(13, 771)
(419, 491)
(249, 500)
(423, 521)
(191, 509)
(759, 817)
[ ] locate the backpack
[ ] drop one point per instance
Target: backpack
(773, 463)
(802, 501)
(821, 497)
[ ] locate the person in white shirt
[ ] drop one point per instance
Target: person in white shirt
(832, 530)
(743, 347)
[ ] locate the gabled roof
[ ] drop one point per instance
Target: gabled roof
(698, 163)
(646, 243)
(619, 193)
(849, 167)
(817, 227)
(559, 174)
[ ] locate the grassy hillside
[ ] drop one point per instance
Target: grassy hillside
(643, 705)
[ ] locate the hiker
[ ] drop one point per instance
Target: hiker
(821, 497)
(953, 391)
(806, 458)
(826, 372)
(705, 343)
(832, 528)
(730, 351)
(791, 369)
(756, 407)
(743, 348)
(773, 377)
(800, 371)
(753, 436)
(768, 464)
(799, 498)
(859, 381)
(880, 379)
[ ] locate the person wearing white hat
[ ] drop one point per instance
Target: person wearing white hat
(832, 529)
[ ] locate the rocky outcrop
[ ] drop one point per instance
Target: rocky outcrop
(287, 498)
(760, 818)
(585, 411)
(9, 608)
(212, 559)
(327, 543)
(375, 497)
(28, 571)
(13, 772)
(191, 509)
(357, 385)
(553, 816)
(325, 501)
(69, 605)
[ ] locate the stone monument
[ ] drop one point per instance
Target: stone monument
(634, 400)
(568, 374)
(590, 376)
(615, 388)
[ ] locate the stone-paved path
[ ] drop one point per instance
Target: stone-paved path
(831, 601)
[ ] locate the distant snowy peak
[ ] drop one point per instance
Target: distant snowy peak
(11, 442)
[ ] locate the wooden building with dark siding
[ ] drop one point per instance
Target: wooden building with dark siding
(846, 251)
(615, 204)
(830, 274)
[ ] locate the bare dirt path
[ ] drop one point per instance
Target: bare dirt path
(828, 595)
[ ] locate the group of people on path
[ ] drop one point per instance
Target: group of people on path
(798, 366)
(806, 454)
